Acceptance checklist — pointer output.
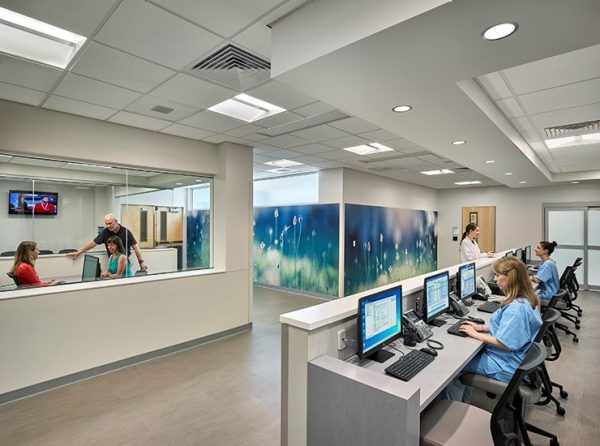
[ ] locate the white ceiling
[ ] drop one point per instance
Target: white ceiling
(138, 52)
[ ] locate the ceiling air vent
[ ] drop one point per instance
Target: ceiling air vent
(233, 67)
(162, 109)
(580, 128)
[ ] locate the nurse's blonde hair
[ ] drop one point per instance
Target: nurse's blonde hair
(518, 283)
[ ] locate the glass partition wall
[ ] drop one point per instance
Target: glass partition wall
(61, 205)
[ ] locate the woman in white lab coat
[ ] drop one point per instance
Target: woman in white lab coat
(469, 249)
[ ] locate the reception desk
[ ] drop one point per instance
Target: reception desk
(312, 366)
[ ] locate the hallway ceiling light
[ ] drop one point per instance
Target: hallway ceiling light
(368, 149)
(570, 141)
(522, 182)
(402, 108)
(283, 163)
(246, 108)
(574, 182)
(465, 183)
(459, 142)
(437, 172)
(508, 173)
(490, 161)
(31, 39)
(500, 31)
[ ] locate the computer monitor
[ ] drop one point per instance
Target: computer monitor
(465, 280)
(436, 299)
(519, 253)
(509, 254)
(527, 255)
(379, 322)
(91, 268)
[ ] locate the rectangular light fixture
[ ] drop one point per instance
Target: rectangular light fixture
(570, 141)
(31, 39)
(369, 149)
(246, 108)
(466, 183)
(437, 172)
(283, 163)
(283, 170)
(89, 165)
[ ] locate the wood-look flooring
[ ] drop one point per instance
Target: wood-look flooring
(228, 393)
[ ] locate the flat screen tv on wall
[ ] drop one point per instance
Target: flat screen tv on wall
(32, 203)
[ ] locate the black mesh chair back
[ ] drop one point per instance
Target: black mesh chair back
(67, 250)
(14, 278)
(578, 262)
(46, 251)
(8, 254)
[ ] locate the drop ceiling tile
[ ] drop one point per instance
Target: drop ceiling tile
(27, 74)
(285, 141)
(78, 108)
(143, 29)
(214, 122)
(264, 150)
(510, 107)
(399, 144)
(378, 135)
(555, 71)
(316, 108)
(134, 120)
(278, 119)
(145, 104)
(192, 91)
(89, 90)
(320, 133)
(244, 131)
(522, 124)
(309, 159)
(216, 139)
(20, 94)
(260, 159)
(568, 116)
(186, 132)
(117, 68)
(285, 154)
(255, 137)
(347, 141)
(257, 39)
(495, 86)
(572, 95)
(354, 125)
(340, 155)
(312, 149)
(328, 164)
(412, 149)
(281, 95)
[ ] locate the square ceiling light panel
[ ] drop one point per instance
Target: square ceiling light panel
(368, 149)
(31, 39)
(246, 108)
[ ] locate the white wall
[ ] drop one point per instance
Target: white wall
(519, 214)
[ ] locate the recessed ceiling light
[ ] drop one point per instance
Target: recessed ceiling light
(31, 39)
(402, 108)
(283, 163)
(283, 170)
(178, 184)
(459, 142)
(574, 182)
(569, 141)
(199, 181)
(465, 183)
(437, 172)
(522, 182)
(246, 108)
(500, 31)
(508, 173)
(490, 161)
(368, 149)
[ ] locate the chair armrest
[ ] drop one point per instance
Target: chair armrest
(484, 383)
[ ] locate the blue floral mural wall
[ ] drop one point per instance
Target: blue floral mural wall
(298, 247)
(385, 245)
(198, 238)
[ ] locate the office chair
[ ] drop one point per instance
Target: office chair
(13, 276)
(8, 254)
(455, 423)
(67, 250)
(46, 251)
(560, 302)
(568, 281)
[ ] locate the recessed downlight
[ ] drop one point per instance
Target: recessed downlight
(459, 142)
(522, 182)
(508, 173)
(574, 182)
(437, 172)
(500, 31)
(490, 161)
(402, 108)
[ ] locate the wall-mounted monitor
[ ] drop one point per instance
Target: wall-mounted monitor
(32, 203)
(379, 322)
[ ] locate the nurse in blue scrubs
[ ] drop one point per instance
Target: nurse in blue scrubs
(547, 274)
(511, 331)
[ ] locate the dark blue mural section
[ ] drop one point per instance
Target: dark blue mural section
(298, 247)
(385, 245)
(198, 239)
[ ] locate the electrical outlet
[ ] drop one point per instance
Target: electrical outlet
(341, 335)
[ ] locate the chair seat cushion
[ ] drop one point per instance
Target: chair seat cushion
(452, 423)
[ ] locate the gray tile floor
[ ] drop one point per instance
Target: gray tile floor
(228, 393)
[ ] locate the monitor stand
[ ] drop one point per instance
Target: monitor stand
(437, 322)
(381, 356)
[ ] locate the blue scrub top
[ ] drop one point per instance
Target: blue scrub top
(549, 281)
(515, 325)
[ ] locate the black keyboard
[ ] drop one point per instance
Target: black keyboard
(489, 307)
(409, 365)
(454, 329)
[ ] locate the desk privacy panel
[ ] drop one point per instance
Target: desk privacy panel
(298, 247)
(198, 238)
(384, 245)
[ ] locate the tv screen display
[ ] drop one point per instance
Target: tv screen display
(30, 203)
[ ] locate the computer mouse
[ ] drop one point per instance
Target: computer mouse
(429, 351)
(476, 320)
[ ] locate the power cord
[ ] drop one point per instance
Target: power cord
(436, 345)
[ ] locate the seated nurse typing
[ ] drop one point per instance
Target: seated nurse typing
(118, 266)
(24, 266)
(511, 331)
(547, 274)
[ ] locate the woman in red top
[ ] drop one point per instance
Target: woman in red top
(23, 268)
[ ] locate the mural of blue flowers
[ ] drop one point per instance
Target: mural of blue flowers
(198, 238)
(385, 245)
(297, 247)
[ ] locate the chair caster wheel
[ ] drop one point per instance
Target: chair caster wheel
(576, 340)
(564, 394)
(561, 411)
(577, 326)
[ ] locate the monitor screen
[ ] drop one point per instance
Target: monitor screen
(527, 255)
(91, 267)
(436, 299)
(32, 203)
(466, 280)
(509, 254)
(379, 320)
(519, 254)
